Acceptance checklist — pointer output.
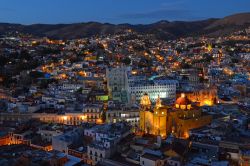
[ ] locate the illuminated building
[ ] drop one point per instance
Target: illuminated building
(244, 157)
(124, 86)
(184, 116)
(4, 138)
(75, 118)
(154, 88)
(129, 115)
(153, 121)
(90, 58)
(92, 113)
(177, 119)
(19, 138)
(67, 118)
(203, 97)
(209, 48)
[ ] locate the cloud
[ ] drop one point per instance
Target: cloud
(163, 14)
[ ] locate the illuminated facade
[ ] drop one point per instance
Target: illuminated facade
(204, 97)
(128, 115)
(92, 113)
(4, 139)
(67, 118)
(178, 119)
(154, 88)
(153, 121)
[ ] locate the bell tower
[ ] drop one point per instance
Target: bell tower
(146, 115)
(159, 119)
(145, 102)
(158, 102)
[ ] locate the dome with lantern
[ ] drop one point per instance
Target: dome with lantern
(183, 102)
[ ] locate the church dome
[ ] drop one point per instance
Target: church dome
(183, 102)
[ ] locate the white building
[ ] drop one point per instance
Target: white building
(129, 115)
(125, 87)
(154, 88)
(71, 87)
(61, 142)
(105, 137)
(47, 135)
(151, 160)
(97, 152)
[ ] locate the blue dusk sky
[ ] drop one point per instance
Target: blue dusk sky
(116, 11)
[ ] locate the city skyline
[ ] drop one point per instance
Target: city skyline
(125, 83)
(116, 12)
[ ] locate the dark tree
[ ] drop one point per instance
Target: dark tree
(126, 61)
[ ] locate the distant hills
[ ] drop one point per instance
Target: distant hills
(161, 29)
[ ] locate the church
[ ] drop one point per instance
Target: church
(176, 119)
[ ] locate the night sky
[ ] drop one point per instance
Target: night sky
(116, 11)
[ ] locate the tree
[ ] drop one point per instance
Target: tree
(126, 61)
(3, 60)
(208, 57)
(145, 62)
(235, 60)
(36, 74)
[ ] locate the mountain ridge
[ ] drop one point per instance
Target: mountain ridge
(162, 29)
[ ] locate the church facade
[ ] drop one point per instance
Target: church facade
(176, 119)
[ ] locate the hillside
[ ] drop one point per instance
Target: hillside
(162, 29)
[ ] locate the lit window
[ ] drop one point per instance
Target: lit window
(183, 107)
